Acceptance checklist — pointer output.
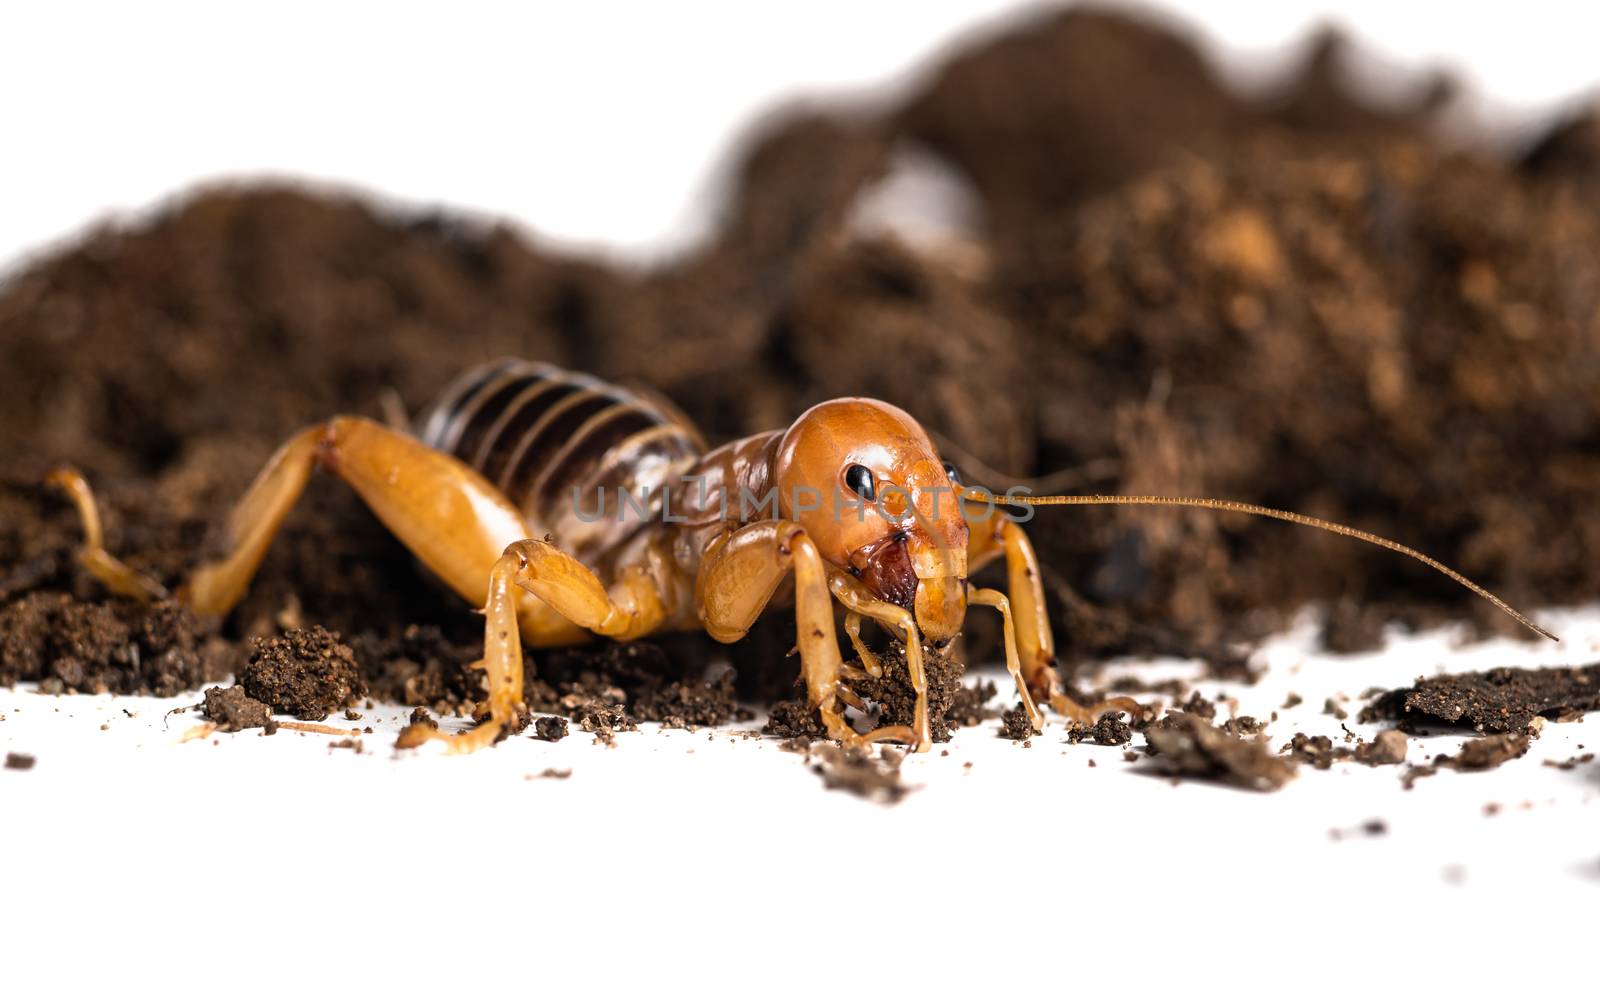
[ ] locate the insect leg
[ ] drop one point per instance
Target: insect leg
(536, 575)
(997, 535)
(113, 573)
(859, 600)
(738, 575)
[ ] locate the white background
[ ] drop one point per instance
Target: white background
(143, 863)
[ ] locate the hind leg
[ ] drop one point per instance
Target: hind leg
(448, 515)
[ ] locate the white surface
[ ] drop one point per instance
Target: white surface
(720, 858)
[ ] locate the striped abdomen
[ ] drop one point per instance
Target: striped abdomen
(548, 438)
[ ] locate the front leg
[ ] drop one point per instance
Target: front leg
(738, 575)
(858, 600)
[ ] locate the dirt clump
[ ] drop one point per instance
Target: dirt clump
(20, 761)
(1487, 752)
(550, 728)
(1507, 699)
(1110, 729)
(307, 672)
(234, 710)
(1015, 724)
(860, 771)
(1187, 746)
(1387, 748)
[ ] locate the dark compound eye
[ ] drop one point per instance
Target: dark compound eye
(952, 474)
(859, 479)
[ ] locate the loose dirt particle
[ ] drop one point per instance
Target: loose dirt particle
(1186, 746)
(1111, 729)
(234, 710)
(1243, 725)
(550, 728)
(1369, 828)
(1571, 763)
(1486, 753)
(1388, 748)
(857, 770)
(19, 761)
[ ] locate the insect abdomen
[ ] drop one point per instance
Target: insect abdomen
(548, 438)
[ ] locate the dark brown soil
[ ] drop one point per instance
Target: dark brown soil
(1487, 752)
(951, 704)
(234, 710)
(1110, 730)
(1386, 749)
(550, 728)
(1499, 700)
(1304, 302)
(20, 761)
(1015, 724)
(102, 646)
(1185, 745)
(875, 776)
(308, 673)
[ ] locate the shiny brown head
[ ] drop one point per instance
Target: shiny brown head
(864, 480)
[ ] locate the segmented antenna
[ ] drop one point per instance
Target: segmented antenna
(1232, 506)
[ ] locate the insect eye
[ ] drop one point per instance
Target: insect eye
(859, 479)
(952, 474)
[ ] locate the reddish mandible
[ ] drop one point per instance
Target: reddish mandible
(511, 491)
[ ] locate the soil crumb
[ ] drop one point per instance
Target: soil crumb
(858, 770)
(1111, 729)
(1188, 746)
(306, 672)
(550, 728)
(1498, 700)
(1486, 753)
(1571, 763)
(234, 710)
(1386, 749)
(1367, 829)
(1015, 724)
(20, 761)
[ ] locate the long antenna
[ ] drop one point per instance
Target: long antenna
(1232, 506)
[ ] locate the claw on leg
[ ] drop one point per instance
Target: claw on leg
(840, 730)
(998, 600)
(111, 572)
(869, 659)
(501, 662)
(1088, 714)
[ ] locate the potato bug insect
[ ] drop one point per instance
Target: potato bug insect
(502, 493)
